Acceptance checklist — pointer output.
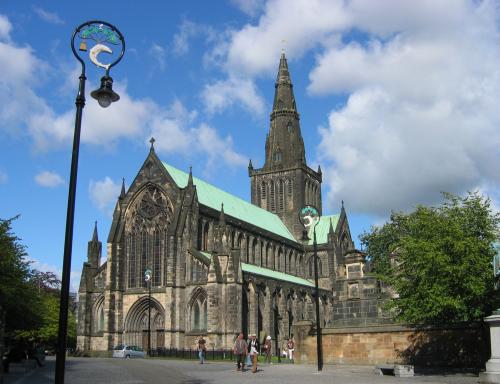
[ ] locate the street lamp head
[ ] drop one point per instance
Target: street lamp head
(105, 94)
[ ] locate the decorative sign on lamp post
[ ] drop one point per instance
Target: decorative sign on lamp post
(309, 217)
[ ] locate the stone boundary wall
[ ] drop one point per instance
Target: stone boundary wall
(464, 347)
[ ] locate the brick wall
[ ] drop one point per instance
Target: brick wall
(458, 347)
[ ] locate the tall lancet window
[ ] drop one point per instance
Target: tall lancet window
(157, 258)
(146, 224)
(281, 195)
(132, 259)
(290, 127)
(272, 196)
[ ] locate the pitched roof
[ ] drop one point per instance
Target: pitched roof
(255, 270)
(322, 229)
(240, 209)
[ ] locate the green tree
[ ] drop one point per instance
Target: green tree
(438, 260)
(29, 298)
(18, 296)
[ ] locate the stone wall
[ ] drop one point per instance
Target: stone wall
(466, 347)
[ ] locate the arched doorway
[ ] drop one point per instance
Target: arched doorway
(136, 324)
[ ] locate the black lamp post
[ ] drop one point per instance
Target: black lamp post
(148, 274)
(309, 217)
(101, 33)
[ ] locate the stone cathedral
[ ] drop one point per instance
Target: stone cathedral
(221, 265)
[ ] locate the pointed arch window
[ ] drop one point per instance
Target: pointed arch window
(280, 104)
(144, 255)
(205, 237)
(146, 225)
(199, 242)
(198, 311)
(272, 196)
(290, 127)
(290, 187)
(132, 259)
(157, 258)
(278, 156)
(281, 195)
(311, 267)
(100, 326)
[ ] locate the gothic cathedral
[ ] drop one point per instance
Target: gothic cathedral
(218, 264)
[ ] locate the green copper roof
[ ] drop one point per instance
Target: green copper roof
(322, 229)
(255, 270)
(213, 197)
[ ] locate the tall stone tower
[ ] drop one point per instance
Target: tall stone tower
(285, 183)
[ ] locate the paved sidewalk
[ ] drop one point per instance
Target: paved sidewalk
(142, 371)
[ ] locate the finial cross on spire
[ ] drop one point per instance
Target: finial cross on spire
(152, 141)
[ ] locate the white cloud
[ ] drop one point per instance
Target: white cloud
(253, 50)
(130, 118)
(157, 52)
(50, 17)
(49, 179)
(103, 193)
(4, 177)
(422, 85)
(175, 132)
(187, 30)
(224, 93)
(421, 116)
(5, 28)
(250, 7)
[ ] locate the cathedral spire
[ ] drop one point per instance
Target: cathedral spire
(95, 238)
(284, 143)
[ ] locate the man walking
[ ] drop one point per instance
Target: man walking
(240, 351)
(253, 348)
(201, 349)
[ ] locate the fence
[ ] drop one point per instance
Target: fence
(210, 354)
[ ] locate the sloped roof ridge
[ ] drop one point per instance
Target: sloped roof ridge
(234, 206)
(277, 275)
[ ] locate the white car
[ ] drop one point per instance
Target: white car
(128, 351)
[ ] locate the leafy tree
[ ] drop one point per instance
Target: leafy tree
(17, 295)
(438, 260)
(29, 298)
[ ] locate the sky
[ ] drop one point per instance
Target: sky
(399, 101)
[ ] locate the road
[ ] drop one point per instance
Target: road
(143, 371)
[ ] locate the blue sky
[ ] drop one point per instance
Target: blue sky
(398, 101)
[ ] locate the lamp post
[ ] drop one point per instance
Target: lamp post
(99, 32)
(309, 217)
(148, 274)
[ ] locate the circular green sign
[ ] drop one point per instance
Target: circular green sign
(309, 216)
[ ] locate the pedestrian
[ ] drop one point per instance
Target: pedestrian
(291, 347)
(240, 351)
(202, 347)
(267, 349)
(253, 350)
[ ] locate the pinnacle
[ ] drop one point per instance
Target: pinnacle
(95, 238)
